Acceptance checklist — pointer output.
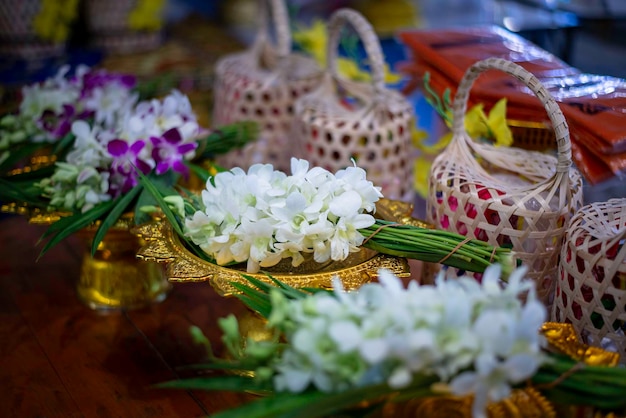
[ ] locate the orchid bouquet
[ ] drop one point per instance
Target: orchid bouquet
(334, 351)
(100, 135)
(262, 216)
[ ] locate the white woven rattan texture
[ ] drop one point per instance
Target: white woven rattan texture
(17, 34)
(243, 92)
(591, 290)
(507, 196)
(343, 120)
(261, 85)
(108, 25)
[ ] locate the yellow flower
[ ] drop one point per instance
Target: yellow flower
(477, 124)
(421, 172)
(314, 39)
(418, 139)
(422, 163)
(53, 21)
(390, 76)
(497, 124)
(492, 127)
(147, 15)
(417, 136)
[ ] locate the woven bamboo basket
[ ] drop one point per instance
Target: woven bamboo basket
(343, 120)
(261, 84)
(18, 36)
(591, 290)
(110, 30)
(532, 136)
(507, 196)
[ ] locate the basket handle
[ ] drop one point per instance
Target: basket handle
(280, 18)
(370, 41)
(564, 150)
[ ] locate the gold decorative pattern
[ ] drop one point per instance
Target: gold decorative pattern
(562, 337)
(37, 216)
(400, 212)
(523, 403)
(164, 246)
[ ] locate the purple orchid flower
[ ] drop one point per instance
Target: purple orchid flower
(121, 183)
(169, 150)
(57, 124)
(125, 158)
(95, 79)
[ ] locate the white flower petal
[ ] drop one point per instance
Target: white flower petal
(346, 204)
(374, 351)
(400, 377)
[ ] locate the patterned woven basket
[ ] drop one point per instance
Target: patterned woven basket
(343, 120)
(507, 196)
(591, 290)
(261, 84)
(110, 30)
(18, 37)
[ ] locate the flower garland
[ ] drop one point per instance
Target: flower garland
(333, 351)
(263, 216)
(102, 137)
(112, 133)
(477, 338)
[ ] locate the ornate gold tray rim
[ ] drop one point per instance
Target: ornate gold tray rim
(38, 216)
(164, 246)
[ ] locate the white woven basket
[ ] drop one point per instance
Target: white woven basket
(591, 289)
(373, 128)
(109, 29)
(507, 196)
(18, 37)
(261, 84)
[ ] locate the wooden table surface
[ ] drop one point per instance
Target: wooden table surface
(59, 358)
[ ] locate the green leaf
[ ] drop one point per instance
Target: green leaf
(227, 138)
(163, 184)
(253, 299)
(595, 386)
(152, 188)
(159, 189)
(260, 285)
(276, 406)
(314, 404)
(289, 291)
(66, 226)
(21, 192)
(113, 216)
(63, 144)
(242, 367)
(199, 171)
(19, 153)
(144, 199)
(233, 383)
(33, 175)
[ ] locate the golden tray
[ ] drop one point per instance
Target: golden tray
(164, 246)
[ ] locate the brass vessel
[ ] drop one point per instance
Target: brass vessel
(113, 279)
